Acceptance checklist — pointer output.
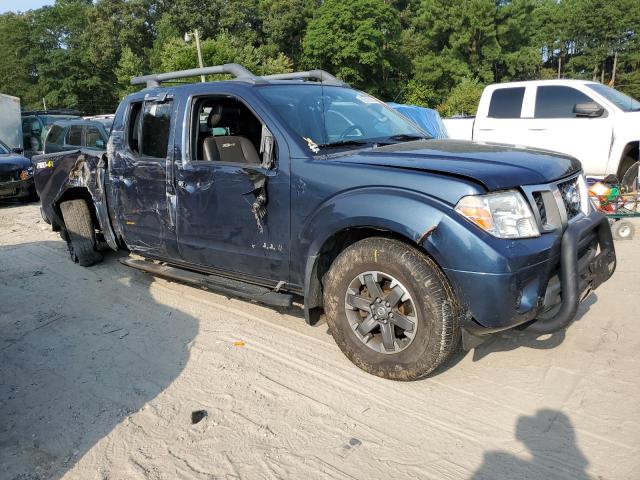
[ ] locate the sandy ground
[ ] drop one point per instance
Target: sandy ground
(101, 369)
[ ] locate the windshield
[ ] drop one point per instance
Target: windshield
(328, 115)
(619, 99)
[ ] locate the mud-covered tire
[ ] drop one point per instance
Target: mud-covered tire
(437, 312)
(80, 233)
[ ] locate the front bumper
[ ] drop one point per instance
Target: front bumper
(548, 291)
(17, 188)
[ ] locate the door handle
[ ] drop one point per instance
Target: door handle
(537, 129)
(486, 129)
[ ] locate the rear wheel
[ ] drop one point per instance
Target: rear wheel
(80, 233)
(390, 309)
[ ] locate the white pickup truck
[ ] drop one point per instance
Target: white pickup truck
(598, 125)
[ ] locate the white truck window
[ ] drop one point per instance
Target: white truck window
(558, 102)
(506, 102)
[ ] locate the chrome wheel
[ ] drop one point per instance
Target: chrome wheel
(381, 312)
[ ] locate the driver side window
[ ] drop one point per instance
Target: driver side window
(556, 101)
(225, 130)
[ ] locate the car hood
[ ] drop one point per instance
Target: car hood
(11, 162)
(496, 166)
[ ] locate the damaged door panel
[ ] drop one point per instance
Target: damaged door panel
(233, 191)
(139, 176)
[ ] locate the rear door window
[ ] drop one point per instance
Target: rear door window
(156, 124)
(556, 101)
(506, 102)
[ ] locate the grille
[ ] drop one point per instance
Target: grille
(537, 196)
(570, 197)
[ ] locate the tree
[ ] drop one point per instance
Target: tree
(284, 23)
(452, 41)
(463, 99)
(357, 41)
(128, 67)
(178, 55)
(17, 65)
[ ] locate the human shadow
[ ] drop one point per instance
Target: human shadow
(80, 351)
(550, 439)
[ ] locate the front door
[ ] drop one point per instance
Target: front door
(233, 201)
(140, 183)
(556, 127)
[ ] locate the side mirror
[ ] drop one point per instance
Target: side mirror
(18, 150)
(588, 109)
(100, 144)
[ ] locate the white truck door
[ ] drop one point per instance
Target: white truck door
(499, 116)
(555, 126)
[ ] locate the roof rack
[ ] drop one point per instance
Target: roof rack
(235, 69)
(320, 75)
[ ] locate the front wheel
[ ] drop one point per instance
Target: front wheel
(390, 309)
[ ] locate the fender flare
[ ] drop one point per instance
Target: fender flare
(409, 214)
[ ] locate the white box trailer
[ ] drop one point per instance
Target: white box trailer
(10, 121)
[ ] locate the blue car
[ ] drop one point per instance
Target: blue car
(297, 187)
(16, 175)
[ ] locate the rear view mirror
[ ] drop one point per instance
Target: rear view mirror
(100, 144)
(18, 150)
(588, 109)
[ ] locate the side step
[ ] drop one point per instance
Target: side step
(223, 285)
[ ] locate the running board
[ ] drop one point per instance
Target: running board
(223, 285)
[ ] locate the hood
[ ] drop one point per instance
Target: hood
(10, 162)
(494, 165)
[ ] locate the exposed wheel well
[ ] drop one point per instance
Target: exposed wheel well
(331, 248)
(76, 194)
(630, 155)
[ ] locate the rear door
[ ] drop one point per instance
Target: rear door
(554, 126)
(501, 119)
(140, 182)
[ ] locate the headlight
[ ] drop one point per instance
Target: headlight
(503, 214)
(26, 174)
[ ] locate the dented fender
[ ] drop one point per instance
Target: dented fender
(409, 214)
(57, 174)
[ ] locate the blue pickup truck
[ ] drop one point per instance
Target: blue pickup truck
(296, 187)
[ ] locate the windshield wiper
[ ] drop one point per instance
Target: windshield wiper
(345, 143)
(405, 137)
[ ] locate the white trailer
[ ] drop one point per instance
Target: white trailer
(10, 121)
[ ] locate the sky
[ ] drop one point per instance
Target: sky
(22, 5)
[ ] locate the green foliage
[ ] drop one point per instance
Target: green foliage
(178, 55)
(420, 94)
(128, 67)
(81, 53)
(463, 99)
(355, 40)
